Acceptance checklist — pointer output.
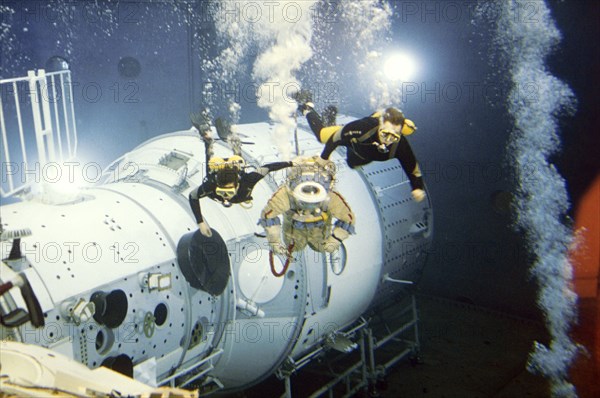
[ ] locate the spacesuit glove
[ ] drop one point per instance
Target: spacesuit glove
(273, 233)
(331, 244)
(299, 161)
(340, 233)
(204, 229)
(418, 194)
(278, 248)
(321, 162)
(274, 239)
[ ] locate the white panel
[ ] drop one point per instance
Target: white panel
(258, 285)
(41, 293)
(77, 247)
(253, 346)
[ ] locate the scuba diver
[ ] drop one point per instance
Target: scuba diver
(379, 137)
(226, 180)
(308, 204)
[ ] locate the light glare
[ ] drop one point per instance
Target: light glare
(400, 67)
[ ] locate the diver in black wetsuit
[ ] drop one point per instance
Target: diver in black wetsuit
(379, 137)
(226, 180)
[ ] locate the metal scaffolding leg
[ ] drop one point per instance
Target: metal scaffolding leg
(416, 320)
(288, 387)
(366, 372)
(363, 361)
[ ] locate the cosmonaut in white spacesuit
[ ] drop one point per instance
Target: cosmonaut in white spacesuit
(308, 204)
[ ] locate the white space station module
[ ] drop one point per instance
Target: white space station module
(118, 275)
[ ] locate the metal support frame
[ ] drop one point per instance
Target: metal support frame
(365, 372)
(196, 367)
(48, 123)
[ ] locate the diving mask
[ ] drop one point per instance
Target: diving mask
(389, 133)
(226, 192)
(227, 179)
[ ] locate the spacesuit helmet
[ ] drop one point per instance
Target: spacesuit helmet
(310, 195)
(310, 183)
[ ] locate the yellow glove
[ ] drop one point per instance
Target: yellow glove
(418, 195)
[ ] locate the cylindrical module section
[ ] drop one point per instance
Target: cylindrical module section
(104, 269)
(124, 278)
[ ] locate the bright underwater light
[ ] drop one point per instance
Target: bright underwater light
(400, 66)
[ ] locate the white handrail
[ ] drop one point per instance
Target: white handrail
(56, 120)
(48, 125)
(6, 152)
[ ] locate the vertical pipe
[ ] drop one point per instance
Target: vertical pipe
(64, 105)
(56, 118)
(5, 143)
(348, 385)
(288, 387)
(72, 151)
(372, 372)
(20, 122)
(363, 360)
(416, 320)
(37, 120)
(371, 349)
(46, 116)
(65, 114)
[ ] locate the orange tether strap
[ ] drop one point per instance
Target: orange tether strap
(287, 262)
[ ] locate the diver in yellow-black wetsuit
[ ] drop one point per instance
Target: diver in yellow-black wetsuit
(227, 180)
(378, 137)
